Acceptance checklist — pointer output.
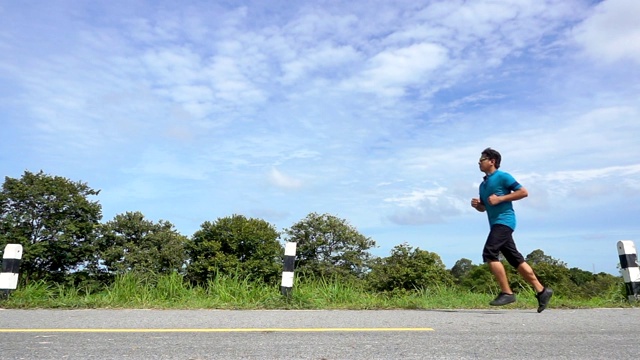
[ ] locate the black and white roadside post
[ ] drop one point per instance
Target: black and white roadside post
(10, 269)
(630, 268)
(287, 273)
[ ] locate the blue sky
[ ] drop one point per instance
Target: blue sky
(375, 112)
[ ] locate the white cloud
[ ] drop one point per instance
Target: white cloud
(318, 60)
(427, 206)
(593, 174)
(172, 66)
(390, 72)
(283, 181)
(476, 98)
(416, 197)
(585, 184)
(612, 32)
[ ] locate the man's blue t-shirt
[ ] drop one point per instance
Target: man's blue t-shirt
(499, 183)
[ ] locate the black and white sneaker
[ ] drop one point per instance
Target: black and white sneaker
(503, 299)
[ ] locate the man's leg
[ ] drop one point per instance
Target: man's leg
(497, 269)
(543, 294)
(515, 258)
(498, 236)
(527, 273)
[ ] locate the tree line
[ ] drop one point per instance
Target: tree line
(58, 223)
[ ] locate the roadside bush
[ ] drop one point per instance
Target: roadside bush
(235, 246)
(408, 269)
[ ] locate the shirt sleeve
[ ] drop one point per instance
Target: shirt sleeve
(510, 183)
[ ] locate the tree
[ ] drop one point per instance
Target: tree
(461, 269)
(327, 246)
(235, 246)
(557, 277)
(480, 279)
(54, 221)
(604, 285)
(539, 257)
(553, 273)
(580, 277)
(129, 243)
(408, 269)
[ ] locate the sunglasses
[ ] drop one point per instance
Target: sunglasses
(483, 159)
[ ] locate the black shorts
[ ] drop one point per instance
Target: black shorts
(501, 241)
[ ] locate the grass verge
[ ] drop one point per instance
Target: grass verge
(172, 292)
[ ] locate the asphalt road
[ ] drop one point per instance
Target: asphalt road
(390, 334)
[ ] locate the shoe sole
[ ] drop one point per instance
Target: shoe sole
(502, 304)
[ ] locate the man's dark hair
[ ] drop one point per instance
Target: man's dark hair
(492, 155)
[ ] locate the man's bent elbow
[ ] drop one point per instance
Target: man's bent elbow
(523, 193)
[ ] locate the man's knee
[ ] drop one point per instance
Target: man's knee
(489, 255)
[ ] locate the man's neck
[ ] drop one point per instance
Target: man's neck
(490, 171)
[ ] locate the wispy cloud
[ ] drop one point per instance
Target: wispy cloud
(390, 73)
(611, 32)
(425, 207)
(281, 180)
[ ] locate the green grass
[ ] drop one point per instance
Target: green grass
(172, 292)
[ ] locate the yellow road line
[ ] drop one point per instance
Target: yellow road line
(218, 330)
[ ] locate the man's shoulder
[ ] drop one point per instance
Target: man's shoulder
(502, 174)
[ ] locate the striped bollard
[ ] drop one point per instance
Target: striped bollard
(287, 273)
(10, 269)
(630, 268)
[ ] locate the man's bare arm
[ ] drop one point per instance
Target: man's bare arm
(478, 205)
(512, 196)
